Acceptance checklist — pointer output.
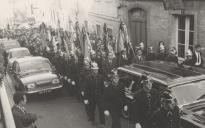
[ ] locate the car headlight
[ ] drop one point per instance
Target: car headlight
(55, 81)
(31, 86)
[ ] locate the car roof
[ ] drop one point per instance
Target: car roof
(165, 72)
(30, 58)
(18, 49)
(8, 44)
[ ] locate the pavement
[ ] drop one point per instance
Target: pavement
(58, 110)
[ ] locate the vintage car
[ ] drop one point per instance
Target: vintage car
(18, 52)
(186, 86)
(9, 44)
(34, 75)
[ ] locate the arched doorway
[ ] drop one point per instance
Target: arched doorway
(138, 26)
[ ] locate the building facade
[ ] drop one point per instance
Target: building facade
(181, 25)
(103, 11)
(150, 21)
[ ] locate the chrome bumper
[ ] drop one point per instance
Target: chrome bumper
(44, 90)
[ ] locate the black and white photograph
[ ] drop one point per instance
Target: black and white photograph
(102, 63)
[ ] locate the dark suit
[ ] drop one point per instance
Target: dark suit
(138, 59)
(167, 118)
(22, 118)
(150, 56)
(194, 58)
(188, 62)
(172, 59)
(94, 89)
(113, 102)
(122, 60)
(108, 65)
(145, 107)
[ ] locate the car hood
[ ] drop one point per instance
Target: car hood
(38, 77)
(195, 113)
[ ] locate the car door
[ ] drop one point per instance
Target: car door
(15, 75)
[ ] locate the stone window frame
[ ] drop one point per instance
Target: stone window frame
(174, 26)
(186, 31)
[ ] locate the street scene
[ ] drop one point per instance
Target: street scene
(102, 64)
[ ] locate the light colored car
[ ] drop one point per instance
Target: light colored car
(18, 52)
(34, 75)
(15, 53)
(9, 44)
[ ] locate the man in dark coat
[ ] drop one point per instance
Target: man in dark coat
(197, 56)
(139, 58)
(122, 58)
(146, 103)
(168, 116)
(93, 92)
(113, 100)
(22, 118)
(109, 64)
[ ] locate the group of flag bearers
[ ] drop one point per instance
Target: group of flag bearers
(88, 71)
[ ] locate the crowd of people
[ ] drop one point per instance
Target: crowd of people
(92, 78)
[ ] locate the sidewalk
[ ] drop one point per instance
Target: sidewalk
(9, 89)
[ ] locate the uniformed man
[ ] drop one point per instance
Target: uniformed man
(85, 71)
(146, 103)
(93, 92)
(109, 64)
(168, 116)
(113, 100)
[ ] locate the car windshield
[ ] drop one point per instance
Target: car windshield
(189, 93)
(34, 66)
(18, 54)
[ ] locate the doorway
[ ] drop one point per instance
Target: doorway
(138, 26)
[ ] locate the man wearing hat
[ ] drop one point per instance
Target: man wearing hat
(168, 115)
(146, 103)
(93, 92)
(113, 100)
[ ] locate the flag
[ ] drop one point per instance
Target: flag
(120, 42)
(79, 36)
(87, 47)
(105, 38)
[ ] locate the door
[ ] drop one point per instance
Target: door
(138, 26)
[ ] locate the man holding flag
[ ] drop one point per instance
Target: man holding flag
(123, 46)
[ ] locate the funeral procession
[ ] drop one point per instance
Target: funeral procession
(102, 63)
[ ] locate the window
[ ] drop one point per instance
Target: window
(185, 34)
